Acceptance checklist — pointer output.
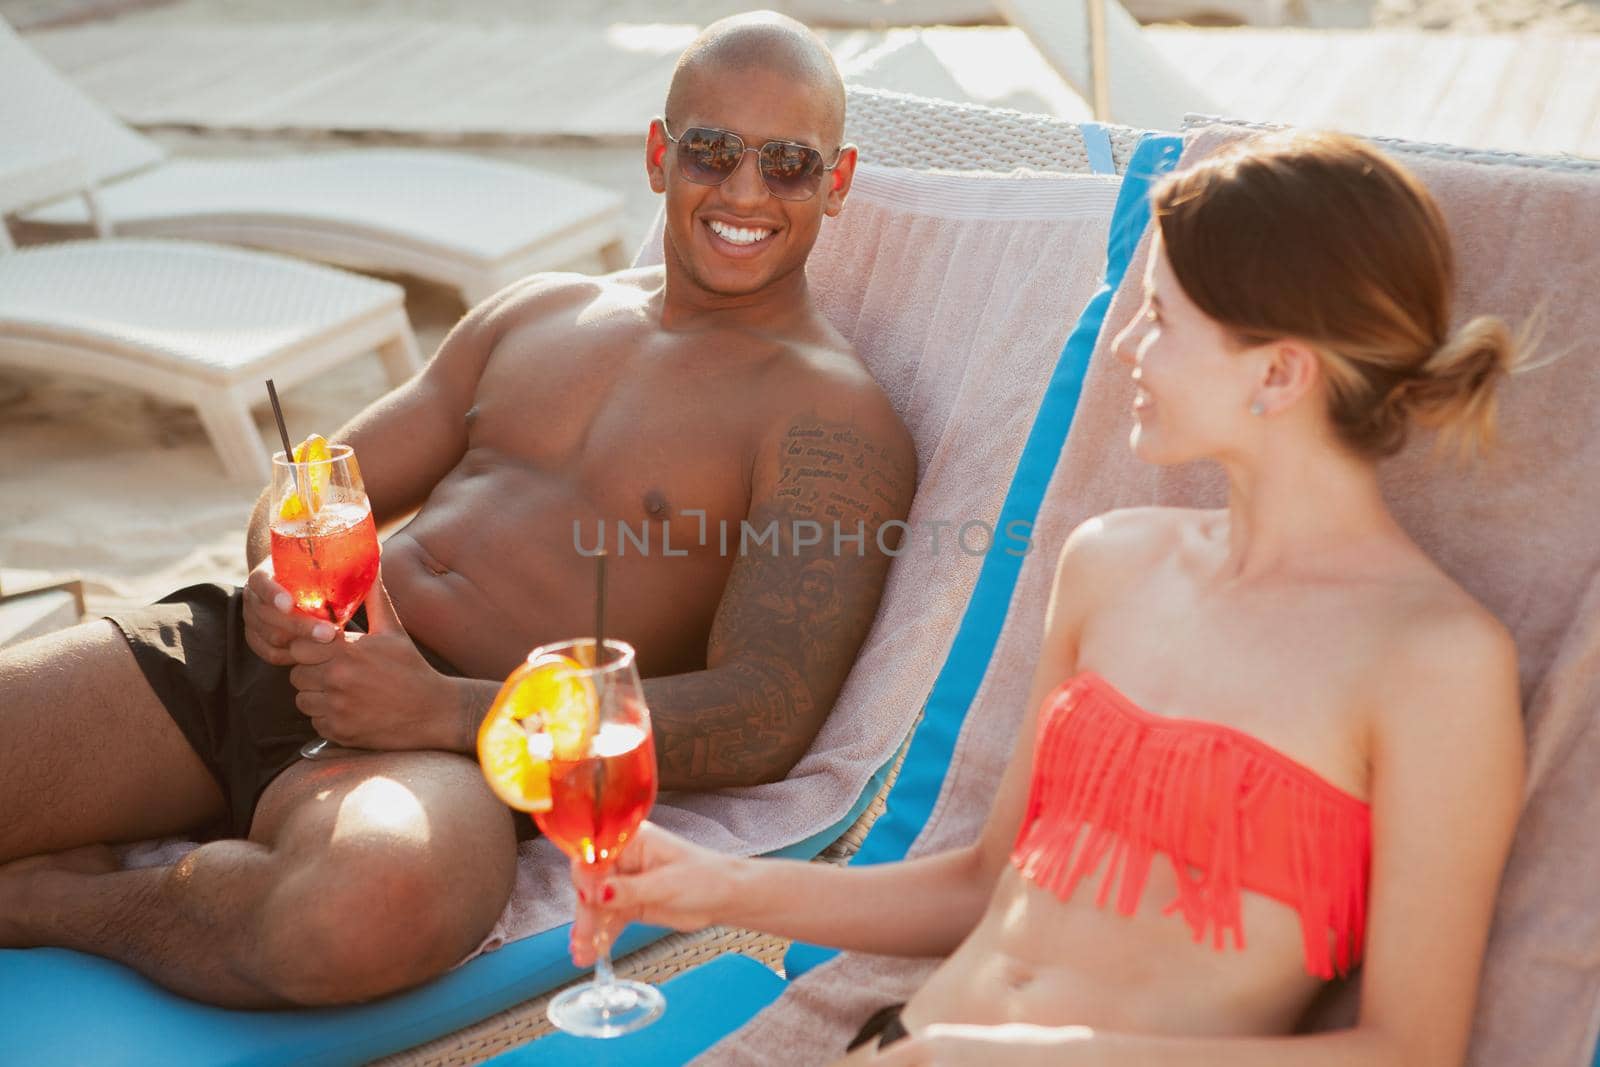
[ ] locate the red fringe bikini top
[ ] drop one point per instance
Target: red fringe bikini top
(1209, 796)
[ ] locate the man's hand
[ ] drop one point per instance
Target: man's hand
(271, 623)
(374, 690)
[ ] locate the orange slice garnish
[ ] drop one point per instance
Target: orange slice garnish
(545, 710)
(313, 449)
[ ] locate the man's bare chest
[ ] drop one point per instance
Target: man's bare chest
(639, 439)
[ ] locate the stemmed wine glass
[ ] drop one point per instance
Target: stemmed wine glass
(324, 542)
(589, 729)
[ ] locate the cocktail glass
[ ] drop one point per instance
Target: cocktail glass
(598, 796)
(324, 542)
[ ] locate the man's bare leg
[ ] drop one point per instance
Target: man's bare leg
(362, 876)
(91, 755)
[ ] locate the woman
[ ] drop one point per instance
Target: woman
(1278, 718)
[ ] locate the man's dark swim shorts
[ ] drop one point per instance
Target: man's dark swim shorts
(236, 710)
(884, 1025)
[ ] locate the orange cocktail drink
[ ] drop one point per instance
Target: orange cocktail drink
(327, 561)
(598, 801)
(324, 542)
(568, 740)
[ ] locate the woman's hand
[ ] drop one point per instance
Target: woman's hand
(659, 879)
(949, 1044)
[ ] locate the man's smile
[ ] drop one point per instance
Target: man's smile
(739, 239)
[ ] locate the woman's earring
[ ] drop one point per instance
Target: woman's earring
(1258, 408)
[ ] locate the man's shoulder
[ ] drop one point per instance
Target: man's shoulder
(550, 290)
(827, 380)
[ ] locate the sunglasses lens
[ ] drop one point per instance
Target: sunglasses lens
(791, 171)
(708, 157)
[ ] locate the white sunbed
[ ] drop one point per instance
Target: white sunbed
(198, 323)
(1143, 88)
(473, 224)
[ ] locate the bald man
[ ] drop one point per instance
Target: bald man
(700, 420)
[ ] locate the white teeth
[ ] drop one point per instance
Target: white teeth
(738, 235)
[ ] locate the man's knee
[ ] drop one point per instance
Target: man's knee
(354, 929)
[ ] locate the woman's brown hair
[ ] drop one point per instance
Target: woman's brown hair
(1321, 238)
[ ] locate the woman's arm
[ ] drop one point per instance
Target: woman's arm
(921, 907)
(1447, 755)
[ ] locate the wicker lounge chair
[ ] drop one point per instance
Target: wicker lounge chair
(472, 224)
(188, 321)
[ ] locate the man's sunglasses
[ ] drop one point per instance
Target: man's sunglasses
(709, 157)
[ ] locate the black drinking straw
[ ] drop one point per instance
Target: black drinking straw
(599, 606)
(599, 784)
(288, 449)
(294, 473)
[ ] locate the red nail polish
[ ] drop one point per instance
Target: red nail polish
(610, 892)
(583, 898)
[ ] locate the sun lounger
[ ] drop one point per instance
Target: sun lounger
(190, 322)
(1317, 14)
(918, 354)
(724, 1000)
(472, 224)
(1515, 528)
(1143, 88)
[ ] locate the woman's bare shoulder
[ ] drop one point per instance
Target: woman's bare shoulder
(1107, 550)
(1132, 536)
(1436, 620)
(1449, 665)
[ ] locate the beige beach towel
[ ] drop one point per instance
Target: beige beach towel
(1517, 530)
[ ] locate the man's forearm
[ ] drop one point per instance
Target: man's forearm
(712, 729)
(464, 714)
(740, 724)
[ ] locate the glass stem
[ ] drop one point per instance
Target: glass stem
(603, 976)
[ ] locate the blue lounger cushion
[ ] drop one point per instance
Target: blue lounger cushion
(66, 1009)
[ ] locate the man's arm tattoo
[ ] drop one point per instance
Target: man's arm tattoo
(793, 615)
